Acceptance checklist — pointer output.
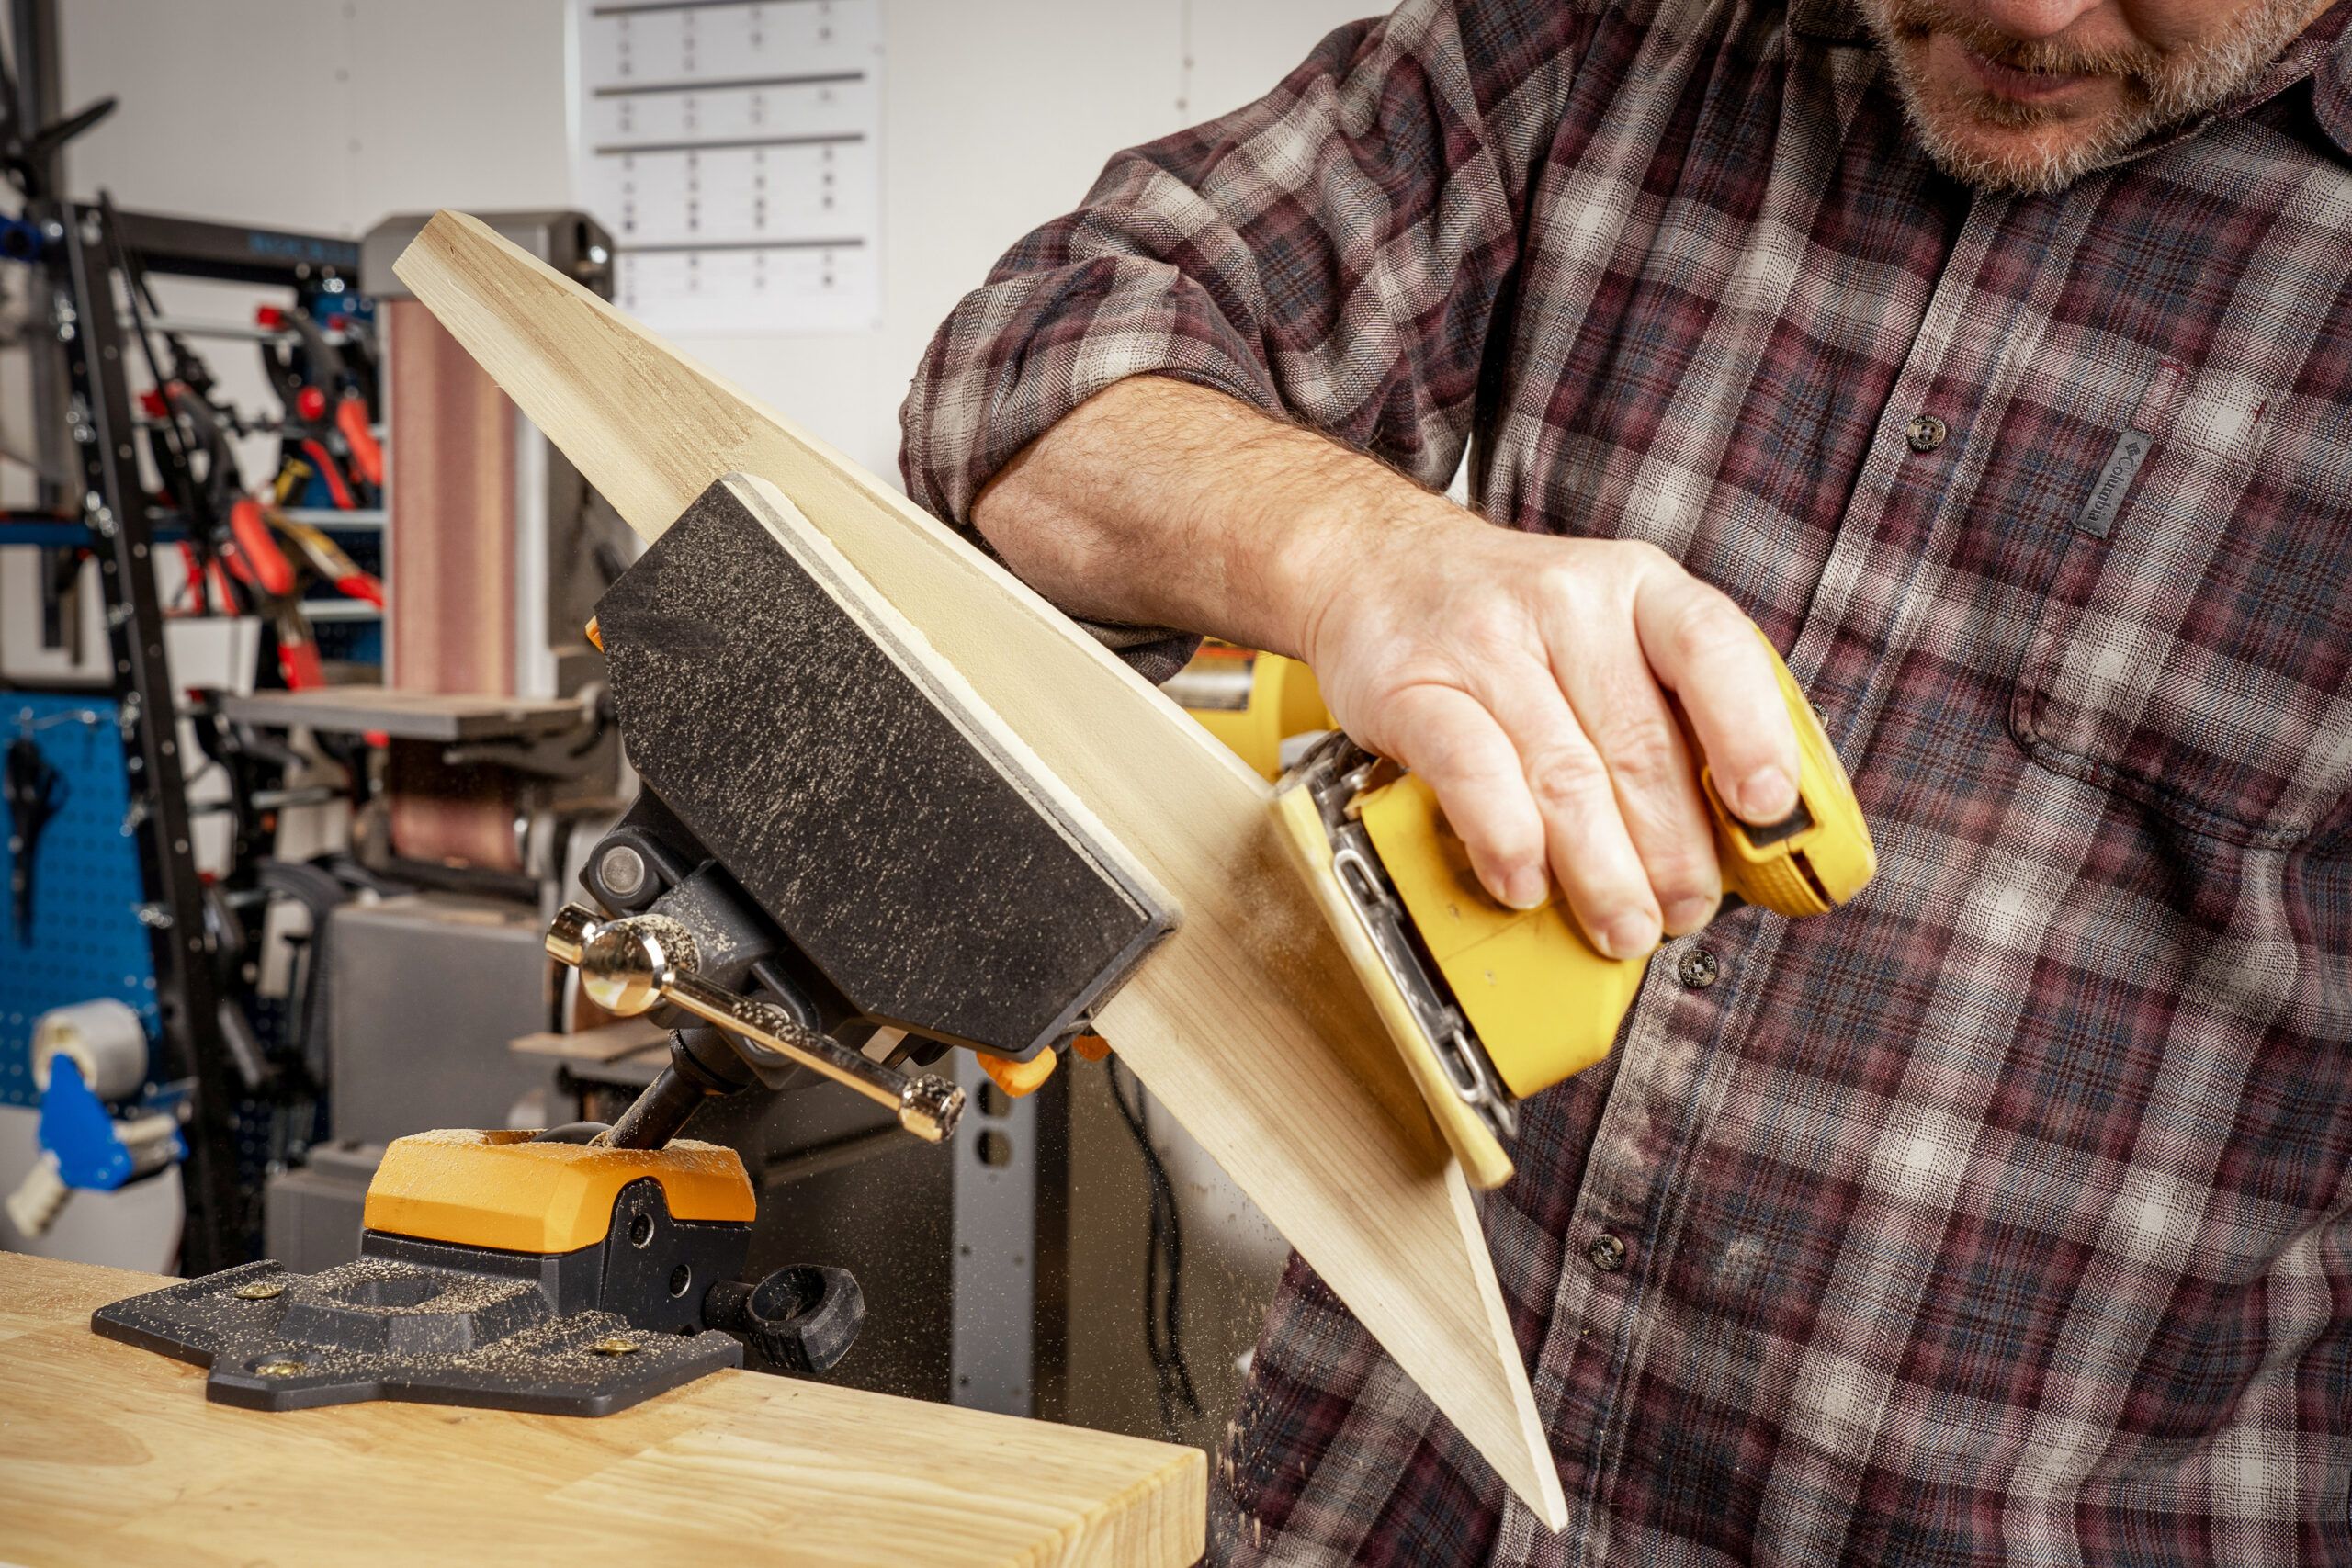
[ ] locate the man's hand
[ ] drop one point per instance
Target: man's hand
(1533, 680)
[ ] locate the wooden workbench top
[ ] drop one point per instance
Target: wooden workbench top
(111, 1454)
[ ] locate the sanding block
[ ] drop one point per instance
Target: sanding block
(921, 863)
(1489, 1005)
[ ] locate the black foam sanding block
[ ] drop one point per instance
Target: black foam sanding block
(859, 792)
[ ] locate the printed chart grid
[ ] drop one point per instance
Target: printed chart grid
(730, 146)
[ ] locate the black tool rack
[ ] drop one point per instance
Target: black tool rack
(82, 249)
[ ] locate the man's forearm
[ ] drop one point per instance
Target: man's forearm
(1159, 503)
(1532, 681)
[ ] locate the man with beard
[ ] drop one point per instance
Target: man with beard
(1996, 357)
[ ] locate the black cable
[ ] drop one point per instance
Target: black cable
(310, 1012)
(179, 473)
(602, 722)
(204, 509)
(35, 791)
(1137, 1119)
(1163, 1320)
(349, 869)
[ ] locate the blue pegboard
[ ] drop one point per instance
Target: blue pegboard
(87, 939)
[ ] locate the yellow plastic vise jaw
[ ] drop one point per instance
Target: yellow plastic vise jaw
(502, 1190)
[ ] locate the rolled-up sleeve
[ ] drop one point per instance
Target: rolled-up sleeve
(1332, 253)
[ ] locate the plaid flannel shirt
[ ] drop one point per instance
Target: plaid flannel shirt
(2003, 1216)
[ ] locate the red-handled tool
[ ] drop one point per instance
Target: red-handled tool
(367, 453)
(263, 564)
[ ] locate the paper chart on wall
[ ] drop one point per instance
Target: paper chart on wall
(731, 148)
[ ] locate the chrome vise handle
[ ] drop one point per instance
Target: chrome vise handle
(631, 965)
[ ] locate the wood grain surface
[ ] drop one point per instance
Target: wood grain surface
(1248, 1024)
(110, 1454)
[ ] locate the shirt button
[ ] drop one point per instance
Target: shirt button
(1699, 968)
(1608, 1254)
(1925, 433)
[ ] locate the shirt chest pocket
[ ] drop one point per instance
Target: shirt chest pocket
(2194, 642)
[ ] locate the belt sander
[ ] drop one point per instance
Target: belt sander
(1489, 1004)
(840, 865)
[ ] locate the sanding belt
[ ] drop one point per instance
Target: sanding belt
(451, 616)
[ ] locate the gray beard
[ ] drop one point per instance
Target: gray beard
(2171, 91)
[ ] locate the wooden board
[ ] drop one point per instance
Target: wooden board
(1248, 1023)
(1484, 1159)
(111, 1454)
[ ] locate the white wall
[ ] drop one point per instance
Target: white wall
(330, 114)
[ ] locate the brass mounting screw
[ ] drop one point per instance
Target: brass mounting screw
(614, 1346)
(259, 1290)
(282, 1369)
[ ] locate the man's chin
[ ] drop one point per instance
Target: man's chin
(1994, 142)
(1997, 152)
(2007, 147)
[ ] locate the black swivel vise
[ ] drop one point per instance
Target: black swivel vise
(837, 865)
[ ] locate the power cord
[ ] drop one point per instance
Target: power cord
(35, 791)
(1163, 1266)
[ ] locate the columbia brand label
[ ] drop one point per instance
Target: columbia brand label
(2099, 512)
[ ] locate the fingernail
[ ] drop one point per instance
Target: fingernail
(1629, 936)
(1768, 795)
(1526, 888)
(1687, 915)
